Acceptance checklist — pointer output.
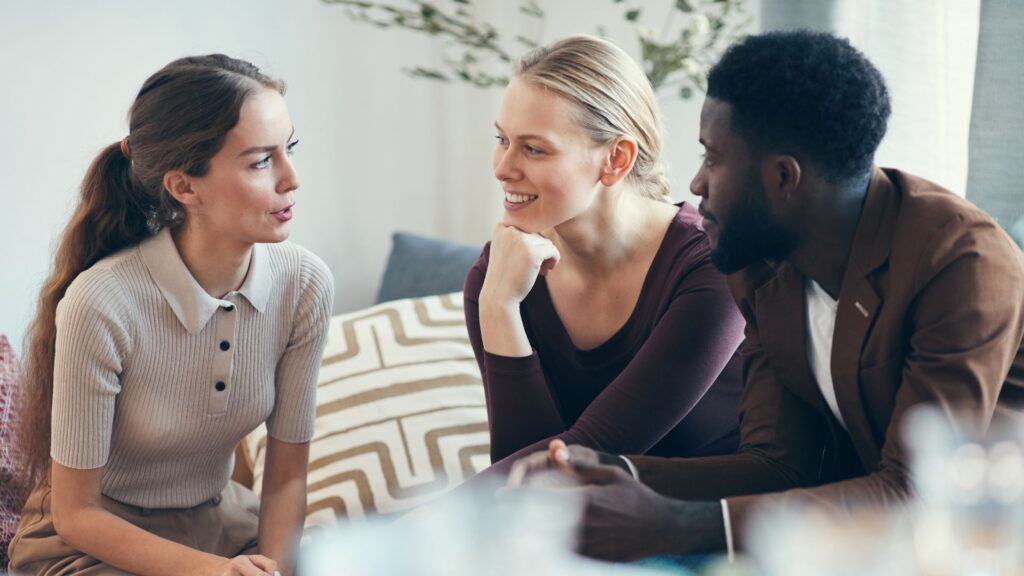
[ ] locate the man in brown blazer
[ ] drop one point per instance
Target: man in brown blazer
(866, 291)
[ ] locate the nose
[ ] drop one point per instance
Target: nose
(288, 179)
(505, 164)
(699, 184)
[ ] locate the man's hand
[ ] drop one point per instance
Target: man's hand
(623, 519)
(557, 458)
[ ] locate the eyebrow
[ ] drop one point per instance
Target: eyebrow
(526, 136)
(707, 146)
(256, 149)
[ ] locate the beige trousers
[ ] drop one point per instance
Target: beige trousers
(226, 526)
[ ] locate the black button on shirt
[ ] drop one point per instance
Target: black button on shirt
(220, 386)
(225, 345)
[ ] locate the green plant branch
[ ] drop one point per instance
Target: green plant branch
(471, 47)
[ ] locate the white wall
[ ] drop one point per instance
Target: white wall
(926, 51)
(379, 151)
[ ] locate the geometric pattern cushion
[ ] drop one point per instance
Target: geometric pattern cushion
(12, 489)
(401, 416)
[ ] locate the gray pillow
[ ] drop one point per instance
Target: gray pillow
(1017, 231)
(420, 266)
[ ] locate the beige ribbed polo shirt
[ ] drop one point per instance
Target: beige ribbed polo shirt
(156, 381)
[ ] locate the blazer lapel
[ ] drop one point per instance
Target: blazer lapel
(858, 306)
(782, 322)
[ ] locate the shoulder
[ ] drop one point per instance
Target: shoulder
(683, 262)
(935, 227)
(926, 206)
(291, 262)
(106, 284)
(106, 296)
(685, 241)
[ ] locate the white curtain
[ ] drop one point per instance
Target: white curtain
(997, 124)
(926, 50)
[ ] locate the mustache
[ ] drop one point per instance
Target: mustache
(705, 214)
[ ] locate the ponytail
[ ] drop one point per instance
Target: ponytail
(179, 121)
(110, 215)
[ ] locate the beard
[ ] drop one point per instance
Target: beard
(751, 233)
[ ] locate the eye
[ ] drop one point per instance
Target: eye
(533, 151)
(264, 163)
(502, 141)
(706, 161)
(290, 149)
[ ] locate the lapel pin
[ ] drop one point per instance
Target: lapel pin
(861, 309)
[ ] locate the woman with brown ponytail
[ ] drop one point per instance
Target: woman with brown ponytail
(175, 321)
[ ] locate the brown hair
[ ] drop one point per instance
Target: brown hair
(613, 98)
(179, 120)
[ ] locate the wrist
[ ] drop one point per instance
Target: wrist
(618, 461)
(498, 311)
(697, 525)
(501, 328)
(209, 564)
(493, 299)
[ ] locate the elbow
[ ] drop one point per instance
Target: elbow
(69, 524)
(63, 522)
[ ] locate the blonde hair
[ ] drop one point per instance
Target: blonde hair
(613, 96)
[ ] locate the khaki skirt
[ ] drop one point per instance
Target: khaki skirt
(227, 525)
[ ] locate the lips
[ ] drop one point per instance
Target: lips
(284, 214)
(516, 201)
(516, 198)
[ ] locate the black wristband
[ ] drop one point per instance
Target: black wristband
(614, 460)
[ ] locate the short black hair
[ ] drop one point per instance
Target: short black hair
(806, 93)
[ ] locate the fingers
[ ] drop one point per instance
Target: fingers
(577, 462)
(525, 467)
(599, 474)
(559, 452)
(561, 456)
(262, 565)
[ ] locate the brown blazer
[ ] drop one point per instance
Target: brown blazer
(931, 309)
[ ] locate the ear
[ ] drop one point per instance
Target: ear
(179, 185)
(619, 161)
(781, 175)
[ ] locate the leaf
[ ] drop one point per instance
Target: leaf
(528, 42)
(633, 14)
(428, 73)
(531, 8)
(683, 6)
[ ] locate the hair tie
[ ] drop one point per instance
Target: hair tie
(125, 149)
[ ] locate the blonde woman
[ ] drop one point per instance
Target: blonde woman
(175, 321)
(595, 312)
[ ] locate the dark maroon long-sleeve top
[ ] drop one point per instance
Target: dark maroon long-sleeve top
(667, 383)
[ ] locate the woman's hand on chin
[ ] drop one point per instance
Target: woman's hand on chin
(516, 259)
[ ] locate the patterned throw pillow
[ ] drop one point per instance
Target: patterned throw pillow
(12, 493)
(401, 416)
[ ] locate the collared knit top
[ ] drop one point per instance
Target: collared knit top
(156, 381)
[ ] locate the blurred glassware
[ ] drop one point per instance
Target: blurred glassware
(525, 531)
(968, 518)
(807, 541)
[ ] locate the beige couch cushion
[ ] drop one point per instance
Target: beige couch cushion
(401, 416)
